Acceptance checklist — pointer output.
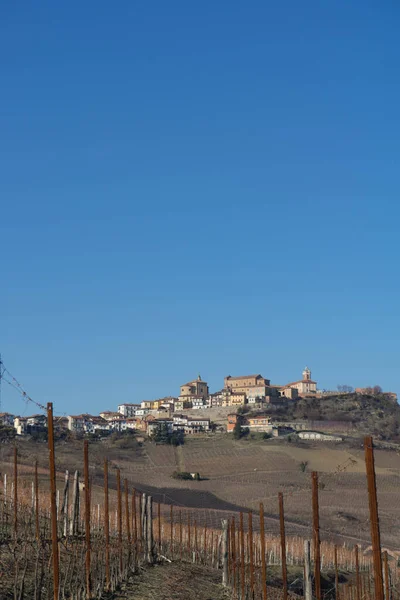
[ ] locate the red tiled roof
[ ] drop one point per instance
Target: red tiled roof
(245, 376)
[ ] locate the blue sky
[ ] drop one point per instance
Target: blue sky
(197, 187)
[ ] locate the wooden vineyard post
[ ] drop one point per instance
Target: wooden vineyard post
(233, 542)
(37, 502)
(283, 545)
(180, 534)
(159, 526)
(107, 524)
(53, 493)
(336, 574)
(374, 518)
(317, 545)
(150, 545)
(119, 519)
(87, 513)
(307, 571)
(188, 538)
(195, 542)
(224, 552)
(358, 583)
(251, 553)
(127, 518)
(15, 492)
(263, 562)
(205, 543)
(386, 575)
(242, 566)
(65, 504)
(134, 521)
(74, 525)
(141, 517)
(171, 518)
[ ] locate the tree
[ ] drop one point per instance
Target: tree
(377, 390)
(237, 430)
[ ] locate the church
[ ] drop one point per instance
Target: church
(305, 386)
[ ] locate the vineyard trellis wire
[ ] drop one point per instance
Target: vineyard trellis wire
(100, 546)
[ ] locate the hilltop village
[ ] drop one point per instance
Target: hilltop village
(250, 400)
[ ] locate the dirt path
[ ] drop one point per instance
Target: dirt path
(175, 581)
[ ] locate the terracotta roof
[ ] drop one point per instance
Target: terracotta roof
(244, 376)
(300, 381)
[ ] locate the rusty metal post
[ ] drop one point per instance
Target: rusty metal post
(53, 493)
(87, 514)
(358, 583)
(119, 518)
(251, 553)
(37, 501)
(15, 492)
(316, 539)
(374, 517)
(336, 574)
(263, 562)
(107, 523)
(171, 518)
(283, 545)
(242, 566)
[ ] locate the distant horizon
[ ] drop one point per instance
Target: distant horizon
(36, 401)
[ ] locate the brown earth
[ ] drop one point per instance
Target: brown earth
(238, 475)
(178, 581)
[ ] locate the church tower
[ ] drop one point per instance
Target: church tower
(306, 374)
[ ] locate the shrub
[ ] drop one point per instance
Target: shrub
(185, 475)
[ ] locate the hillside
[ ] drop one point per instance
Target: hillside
(375, 415)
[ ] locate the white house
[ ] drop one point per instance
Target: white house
(128, 409)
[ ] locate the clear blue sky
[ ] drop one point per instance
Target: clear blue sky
(195, 187)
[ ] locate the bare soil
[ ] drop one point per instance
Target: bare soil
(177, 580)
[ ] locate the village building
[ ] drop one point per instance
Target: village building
(182, 404)
(251, 385)
(254, 423)
(7, 419)
(305, 386)
(21, 425)
(234, 399)
(194, 390)
(109, 415)
(76, 423)
(217, 399)
(128, 409)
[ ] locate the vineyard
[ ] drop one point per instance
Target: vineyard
(71, 539)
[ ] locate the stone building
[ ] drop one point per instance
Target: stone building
(305, 386)
(197, 388)
(254, 386)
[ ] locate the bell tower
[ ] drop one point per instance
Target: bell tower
(306, 374)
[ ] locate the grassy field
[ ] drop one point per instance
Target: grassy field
(239, 475)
